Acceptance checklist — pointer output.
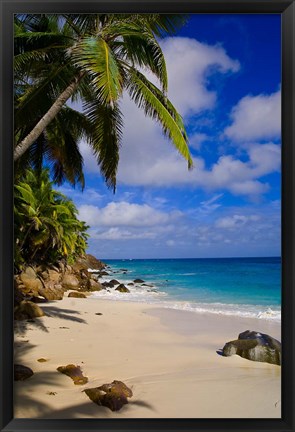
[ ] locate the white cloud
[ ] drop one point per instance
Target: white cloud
(124, 214)
(148, 159)
(116, 233)
(228, 173)
(256, 118)
(247, 231)
(188, 63)
(196, 140)
(211, 204)
(235, 221)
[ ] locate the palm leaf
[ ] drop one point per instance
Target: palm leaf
(106, 138)
(148, 97)
(94, 55)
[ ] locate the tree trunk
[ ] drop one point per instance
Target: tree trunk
(25, 144)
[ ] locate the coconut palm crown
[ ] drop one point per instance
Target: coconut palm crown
(93, 59)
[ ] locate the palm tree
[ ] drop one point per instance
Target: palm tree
(94, 58)
(46, 224)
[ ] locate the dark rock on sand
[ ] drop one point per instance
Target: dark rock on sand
(76, 294)
(112, 396)
(122, 289)
(255, 346)
(73, 372)
(22, 373)
(138, 281)
(27, 310)
(98, 313)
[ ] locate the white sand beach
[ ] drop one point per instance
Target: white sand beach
(167, 357)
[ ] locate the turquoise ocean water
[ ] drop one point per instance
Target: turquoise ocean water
(249, 287)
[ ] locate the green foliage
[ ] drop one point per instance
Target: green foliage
(106, 54)
(46, 226)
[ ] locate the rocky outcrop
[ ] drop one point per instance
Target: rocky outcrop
(121, 288)
(47, 283)
(112, 396)
(114, 282)
(28, 282)
(255, 346)
(93, 285)
(22, 373)
(70, 281)
(73, 372)
(27, 310)
(76, 294)
(89, 261)
(51, 291)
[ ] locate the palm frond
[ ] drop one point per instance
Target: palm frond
(148, 97)
(106, 138)
(95, 56)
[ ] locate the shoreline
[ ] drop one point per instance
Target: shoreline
(167, 357)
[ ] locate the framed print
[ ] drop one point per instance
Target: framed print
(147, 215)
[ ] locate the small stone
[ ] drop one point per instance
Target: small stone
(112, 396)
(73, 372)
(138, 281)
(21, 373)
(98, 313)
(42, 360)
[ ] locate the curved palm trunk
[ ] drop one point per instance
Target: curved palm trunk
(25, 144)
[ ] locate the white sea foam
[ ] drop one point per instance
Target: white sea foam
(152, 295)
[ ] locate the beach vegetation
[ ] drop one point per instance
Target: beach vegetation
(46, 225)
(92, 60)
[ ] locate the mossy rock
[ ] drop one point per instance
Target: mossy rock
(112, 396)
(73, 372)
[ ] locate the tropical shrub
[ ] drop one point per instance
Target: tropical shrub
(46, 226)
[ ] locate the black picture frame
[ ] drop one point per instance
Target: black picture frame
(287, 10)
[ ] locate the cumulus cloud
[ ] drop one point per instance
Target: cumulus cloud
(148, 159)
(124, 214)
(228, 173)
(252, 231)
(189, 63)
(256, 118)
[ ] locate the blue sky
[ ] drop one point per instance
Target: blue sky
(224, 76)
